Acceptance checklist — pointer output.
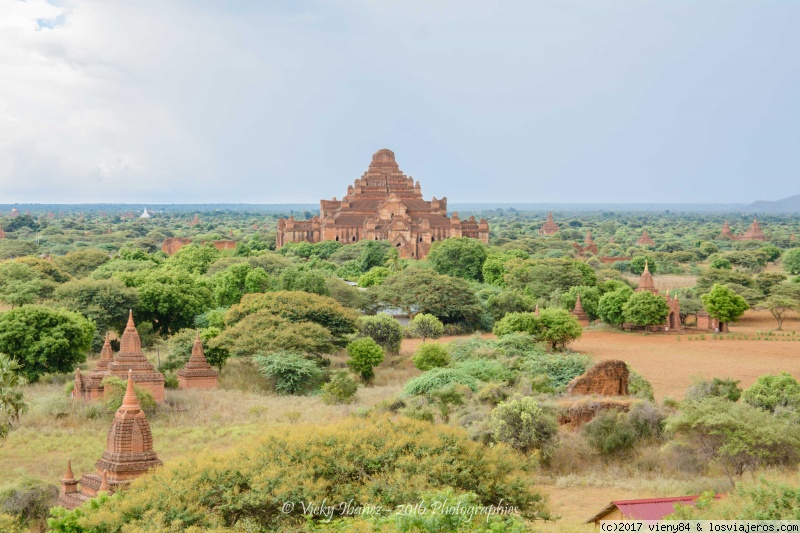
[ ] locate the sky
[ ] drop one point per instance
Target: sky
(285, 101)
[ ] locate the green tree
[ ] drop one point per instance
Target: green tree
(340, 389)
(559, 328)
(375, 276)
(290, 372)
(791, 261)
(194, 258)
(735, 435)
(45, 339)
(644, 308)
(267, 332)
(611, 307)
(772, 392)
(419, 290)
(721, 263)
(724, 304)
(637, 264)
(523, 424)
(104, 301)
(494, 269)
(365, 354)
(766, 281)
(373, 254)
(519, 323)
(779, 306)
(426, 326)
(182, 342)
(384, 330)
(81, 263)
(171, 299)
(460, 257)
(430, 356)
(504, 302)
(19, 284)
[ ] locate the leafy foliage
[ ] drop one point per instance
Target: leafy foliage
(436, 379)
(292, 373)
(426, 326)
(724, 304)
(460, 257)
(115, 388)
(523, 424)
(644, 308)
(384, 330)
(365, 354)
(773, 392)
(430, 356)
(340, 389)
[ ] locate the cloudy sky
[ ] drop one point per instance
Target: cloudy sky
(285, 100)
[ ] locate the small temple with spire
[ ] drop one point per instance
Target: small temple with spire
(129, 359)
(197, 373)
(579, 313)
(645, 240)
(549, 227)
(673, 322)
(588, 245)
(129, 454)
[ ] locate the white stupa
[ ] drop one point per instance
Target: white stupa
(145, 214)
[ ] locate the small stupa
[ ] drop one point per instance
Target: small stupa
(144, 214)
(195, 221)
(579, 313)
(753, 233)
(792, 238)
(726, 232)
(131, 357)
(129, 454)
(549, 227)
(197, 373)
(645, 239)
(646, 280)
(91, 387)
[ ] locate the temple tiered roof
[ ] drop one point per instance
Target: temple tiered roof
(645, 239)
(131, 357)
(579, 313)
(726, 232)
(753, 233)
(646, 280)
(549, 227)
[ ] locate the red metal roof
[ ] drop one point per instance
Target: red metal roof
(649, 509)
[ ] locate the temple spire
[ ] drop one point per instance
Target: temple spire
(68, 475)
(104, 486)
(130, 401)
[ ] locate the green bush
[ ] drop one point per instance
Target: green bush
(485, 370)
(384, 330)
(523, 424)
(560, 368)
(518, 344)
(340, 389)
(365, 354)
(724, 388)
(430, 356)
(610, 432)
(426, 326)
(438, 378)
(378, 462)
(28, 500)
(115, 388)
(290, 372)
(638, 386)
(773, 392)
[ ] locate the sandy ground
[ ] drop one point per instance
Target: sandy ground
(670, 362)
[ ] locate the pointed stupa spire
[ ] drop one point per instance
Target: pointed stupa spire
(536, 311)
(104, 486)
(578, 304)
(579, 313)
(68, 475)
(197, 373)
(130, 402)
(106, 354)
(646, 280)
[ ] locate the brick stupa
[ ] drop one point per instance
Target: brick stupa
(195, 221)
(197, 373)
(645, 239)
(579, 313)
(131, 357)
(646, 280)
(2, 234)
(91, 388)
(753, 233)
(726, 232)
(129, 454)
(549, 227)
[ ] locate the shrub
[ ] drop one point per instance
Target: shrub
(474, 346)
(438, 378)
(340, 389)
(647, 420)
(610, 432)
(523, 424)
(290, 372)
(518, 344)
(28, 500)
(561, 369)
(115, 388)
(384, 330)
(379, 462)
(431, 356)
(485, 370)
(556, 327)
(644, 308)
(426, 326)
(638, 386)
(365, 354)
(723, 388)
(518, 323)
(772, 392)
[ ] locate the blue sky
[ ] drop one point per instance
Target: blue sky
(503, 101)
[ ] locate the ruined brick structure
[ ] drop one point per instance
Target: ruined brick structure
(606, 378)
(383, 204)
(588, 245)
(549, 227)
(753, 233)
(197, 373)
(579, 313)
(131, 357)
(173, 244)
(129, 454)
(645, 239)
(709, 323)
(224, 245)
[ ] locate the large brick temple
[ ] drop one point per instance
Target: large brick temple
(383, 204)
